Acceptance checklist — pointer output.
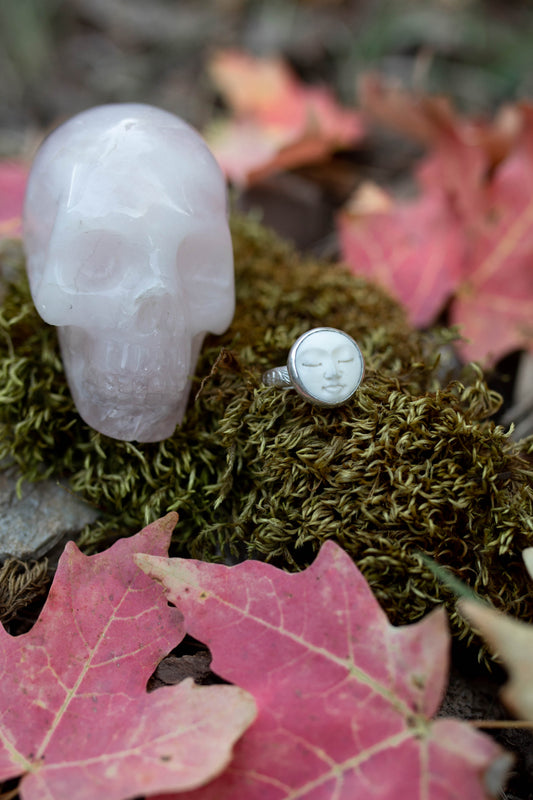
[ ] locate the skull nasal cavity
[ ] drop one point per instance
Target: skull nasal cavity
(155, 312)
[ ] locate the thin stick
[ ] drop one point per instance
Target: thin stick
(503, 723)
(9, 795)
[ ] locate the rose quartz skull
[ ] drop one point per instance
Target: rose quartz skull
(129, 254)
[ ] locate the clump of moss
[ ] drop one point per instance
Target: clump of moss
(21, 583)
(410, 465)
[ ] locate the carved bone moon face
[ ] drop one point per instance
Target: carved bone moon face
(129, 254)
(326, 366)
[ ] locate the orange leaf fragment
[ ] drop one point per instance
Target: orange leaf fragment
(278, 122)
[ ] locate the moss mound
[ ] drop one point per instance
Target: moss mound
(409, 465)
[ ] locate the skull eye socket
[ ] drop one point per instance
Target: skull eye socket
(102, 260)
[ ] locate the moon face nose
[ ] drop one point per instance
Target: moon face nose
(331, 369)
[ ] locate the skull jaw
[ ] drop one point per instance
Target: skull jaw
(123, 419)
(123, 403)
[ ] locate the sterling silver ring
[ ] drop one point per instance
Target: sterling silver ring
(325, 366)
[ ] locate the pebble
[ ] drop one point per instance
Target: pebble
(45, 514)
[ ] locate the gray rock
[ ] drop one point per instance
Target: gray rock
(45, 514)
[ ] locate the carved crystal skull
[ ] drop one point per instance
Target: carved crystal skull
(129, 254)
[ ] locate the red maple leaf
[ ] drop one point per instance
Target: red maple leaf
(13, 177)
(279, 122)
(414, 250)
(434, 122)
(75, 717)
(468, 238)
(494, 303)
(345, 699)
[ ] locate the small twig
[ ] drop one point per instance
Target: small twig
(495, 723)
(9, 795)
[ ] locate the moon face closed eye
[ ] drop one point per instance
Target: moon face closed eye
(315, 357)
(327, 366)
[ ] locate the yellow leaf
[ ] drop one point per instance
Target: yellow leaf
(512, 641)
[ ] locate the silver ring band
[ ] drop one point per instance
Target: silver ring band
(325, 366)
(277, 376)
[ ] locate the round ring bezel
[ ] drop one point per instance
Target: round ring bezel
(296, 379)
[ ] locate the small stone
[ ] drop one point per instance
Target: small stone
(46, 513)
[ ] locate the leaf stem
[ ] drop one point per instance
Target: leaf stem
(9, 795)
(497, 723)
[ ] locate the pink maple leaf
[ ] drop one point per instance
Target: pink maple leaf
(468, 238)
(278, 122)
(494, 304)
(75, 717)
(414, 250)
(345, 699)
(13, 177)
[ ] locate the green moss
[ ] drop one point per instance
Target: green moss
(20, 583)
(412, 464)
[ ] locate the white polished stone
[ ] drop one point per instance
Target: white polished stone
(129, 253)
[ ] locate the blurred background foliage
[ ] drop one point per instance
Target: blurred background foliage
(60, 56)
